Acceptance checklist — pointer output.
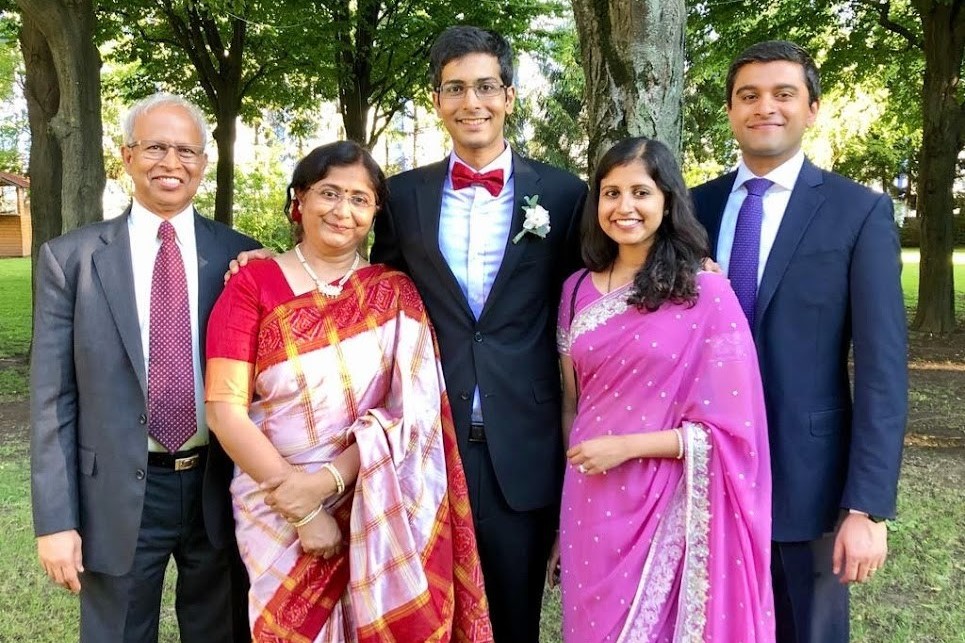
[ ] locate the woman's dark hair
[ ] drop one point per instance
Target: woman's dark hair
(316, 164)
(680, 243)
(463, 40)
(776, 51)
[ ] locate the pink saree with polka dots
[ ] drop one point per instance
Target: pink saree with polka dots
(659, 549)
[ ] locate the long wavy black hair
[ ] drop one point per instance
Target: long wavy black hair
(680, 243)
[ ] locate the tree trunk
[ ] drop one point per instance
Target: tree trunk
(355, 69)
(632, 54)
(64, 107)
(224, 136)
(58, 40)
(43, 99)
(943, 136)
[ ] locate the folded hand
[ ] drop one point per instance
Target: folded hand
(598, 455)
(294, 495)
(321, 536)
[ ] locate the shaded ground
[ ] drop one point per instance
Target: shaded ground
(937, 393)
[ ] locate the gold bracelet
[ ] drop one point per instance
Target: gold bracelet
(339, 481)
(680, 444)
(308, 518)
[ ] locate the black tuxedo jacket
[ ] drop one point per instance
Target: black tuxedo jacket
(831, 281)
(510, 351)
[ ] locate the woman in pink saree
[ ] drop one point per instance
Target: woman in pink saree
(665, 518)
(324, 386)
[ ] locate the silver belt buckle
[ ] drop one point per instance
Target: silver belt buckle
(186, 464)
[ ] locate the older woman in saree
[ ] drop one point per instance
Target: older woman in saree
(324, 386)
(665, 517)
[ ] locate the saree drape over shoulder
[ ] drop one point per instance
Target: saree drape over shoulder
(659, 549)
(318, 374)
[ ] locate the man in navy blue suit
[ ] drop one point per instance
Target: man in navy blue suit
(821, 256)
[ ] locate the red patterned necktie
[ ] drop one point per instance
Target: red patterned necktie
(745, 253)
(170, 378)
(463, 176)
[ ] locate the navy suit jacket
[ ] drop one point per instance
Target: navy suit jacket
(88, 391)
(831, 281)
(510, 351)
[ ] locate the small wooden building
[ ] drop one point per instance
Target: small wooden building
(14, 215)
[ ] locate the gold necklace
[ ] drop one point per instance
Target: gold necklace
(327, 290)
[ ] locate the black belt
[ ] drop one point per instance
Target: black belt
(180, 461)
(477, 432)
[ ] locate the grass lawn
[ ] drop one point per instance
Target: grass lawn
(15, 329)
(909, 281)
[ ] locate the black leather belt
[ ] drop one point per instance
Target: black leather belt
(180, 461)
(477, 432)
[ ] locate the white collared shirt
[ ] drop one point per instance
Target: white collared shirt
(775, 201)
(474, 228)
(143, 227)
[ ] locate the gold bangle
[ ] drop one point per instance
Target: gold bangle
(308, 518)
(680, 444)
(337, 476)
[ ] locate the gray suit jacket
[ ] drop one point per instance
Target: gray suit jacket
(88, 390)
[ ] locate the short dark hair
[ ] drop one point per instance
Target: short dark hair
(680, 243)
(456, 42)
(317, 163)
(773, 51)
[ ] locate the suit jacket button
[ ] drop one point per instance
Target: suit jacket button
(464, 396)
(477, 336)
(139, 474)
(142, 419)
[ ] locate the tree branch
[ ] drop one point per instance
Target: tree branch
(883, 9)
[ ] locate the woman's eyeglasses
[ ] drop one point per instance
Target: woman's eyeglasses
(356, 200)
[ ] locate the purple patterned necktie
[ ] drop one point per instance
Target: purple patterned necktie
(746, 251)
(170, 377)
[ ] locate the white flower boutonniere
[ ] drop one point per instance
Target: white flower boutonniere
(537, 219)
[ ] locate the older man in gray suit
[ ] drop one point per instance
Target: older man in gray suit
(124, 473)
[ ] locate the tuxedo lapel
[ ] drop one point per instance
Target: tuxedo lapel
(526, 183)
(112, 264)
(803, 205)
(428, 205)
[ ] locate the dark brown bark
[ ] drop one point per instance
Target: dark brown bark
(943, 136)
(43, 99)
(224, 137)
(633, 54)
(355, 77)
(62, 87)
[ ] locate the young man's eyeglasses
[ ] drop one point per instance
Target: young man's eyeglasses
(157, 150)
(356, 200)
(482, 88)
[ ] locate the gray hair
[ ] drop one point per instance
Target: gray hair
(161, 99)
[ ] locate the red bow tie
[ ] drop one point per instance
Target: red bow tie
(463, 177)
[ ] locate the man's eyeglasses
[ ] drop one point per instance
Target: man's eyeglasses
(483, 89)
(356, 200)
(157, 150)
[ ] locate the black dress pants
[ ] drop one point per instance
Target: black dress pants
(810, 603)
(513, 547)
(127, 608)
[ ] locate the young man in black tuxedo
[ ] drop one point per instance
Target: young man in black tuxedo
(489, 265)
